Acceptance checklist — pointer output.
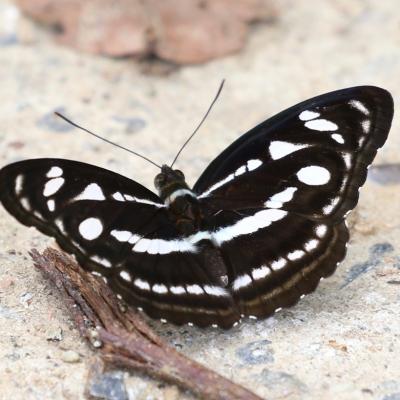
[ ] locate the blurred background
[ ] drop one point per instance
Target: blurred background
(142, 73)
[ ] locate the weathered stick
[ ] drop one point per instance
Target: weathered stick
(123, 338)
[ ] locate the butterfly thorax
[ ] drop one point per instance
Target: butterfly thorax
(182, 204)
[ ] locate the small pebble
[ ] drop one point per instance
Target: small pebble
(108, 385)
(54, 335)
(70, 356)
(6, 283)
(25, 299)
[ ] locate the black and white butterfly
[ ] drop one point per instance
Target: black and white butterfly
(259, 229)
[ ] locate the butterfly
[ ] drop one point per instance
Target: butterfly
(263, 224)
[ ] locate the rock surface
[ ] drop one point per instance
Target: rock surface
(181, 31)
(342, 341)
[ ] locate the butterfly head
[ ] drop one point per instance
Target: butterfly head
(169, 180)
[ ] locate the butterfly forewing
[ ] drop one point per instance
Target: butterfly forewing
(270, 220)
(122, 231)
(306, 164)
(310, 159)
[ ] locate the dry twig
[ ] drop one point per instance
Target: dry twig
(123, 338)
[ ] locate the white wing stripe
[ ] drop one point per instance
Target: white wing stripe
(250, 165)
(245, 226)
(248, 225)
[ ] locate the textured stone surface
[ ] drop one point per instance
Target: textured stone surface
(341, 342)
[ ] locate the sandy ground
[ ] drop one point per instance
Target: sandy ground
(341, 342)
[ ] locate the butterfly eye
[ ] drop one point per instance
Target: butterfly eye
(179, 174)
(159, 180)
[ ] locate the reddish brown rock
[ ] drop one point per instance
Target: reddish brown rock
(180, 31)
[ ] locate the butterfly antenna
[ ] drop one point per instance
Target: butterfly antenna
(104, 139)
(201, 122)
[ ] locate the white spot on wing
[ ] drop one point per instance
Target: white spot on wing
(128, 197)
(60, 225)
(126, 276)
(321, 230)
(260, 273)
(338, 138)
(54, 172)
(118, 196)
(194, 289)
(277, 200)
(241, 281)
(25, 203)
(197, 237)
(215, 290)
(141, 284)
(366, 125)
(330, 207)
(91, 228)
(161, 246)
(253, 164)
(91, 192)
(102, 261)
(278, 264)
(51, 205)
(314, 175)
(307, 115)
(321, 125)
(241, 170)
(217, 185)
(311, 245)
(121, 236)
(347, 159)
(359, 106)
(279, 149)
(19, 183)
(52, 186)
(125, 236)
(247, 225)
(177, 290)
(159, 288)
(37, 214)
(295, 255)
